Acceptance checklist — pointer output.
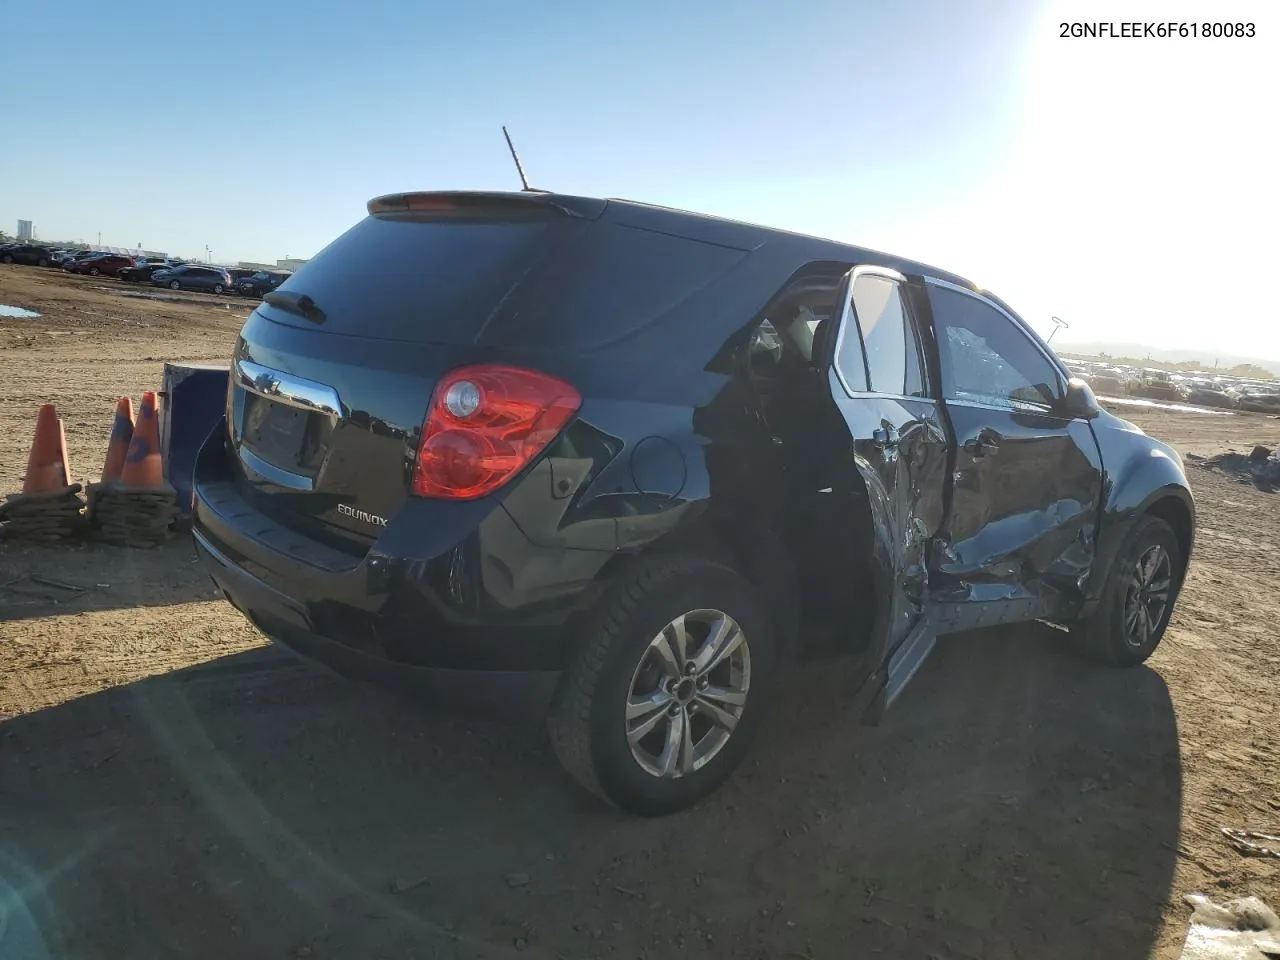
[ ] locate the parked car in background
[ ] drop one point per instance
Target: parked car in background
(1080, 371)
(1156, 384)
(105, 265)
(79, 255)
(622, 460)
(262, 282)
(1259, 402)
(29, 253)
(239, 274)
(193, 277)
(1209, 395)
(142, 272)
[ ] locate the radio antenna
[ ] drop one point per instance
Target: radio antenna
(524, 181)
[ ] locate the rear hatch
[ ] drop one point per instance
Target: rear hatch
(333, 373)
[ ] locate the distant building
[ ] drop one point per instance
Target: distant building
(251, 265)
(25, 230)
(289, 264)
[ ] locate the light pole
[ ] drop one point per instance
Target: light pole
(1058, 324)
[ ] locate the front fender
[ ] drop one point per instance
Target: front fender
(1140, 474)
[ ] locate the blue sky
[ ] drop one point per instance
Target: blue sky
(1063, 174)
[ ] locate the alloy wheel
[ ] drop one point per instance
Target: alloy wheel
(688, 693)
(1147, 592)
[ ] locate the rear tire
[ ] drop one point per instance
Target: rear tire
(174, 285)
(619, 680)
(1135, 610)
(217, 288)
(93, 271)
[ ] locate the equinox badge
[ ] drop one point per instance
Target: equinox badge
(365, 515)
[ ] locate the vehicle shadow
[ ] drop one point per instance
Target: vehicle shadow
(42, 581)
(1015, 802)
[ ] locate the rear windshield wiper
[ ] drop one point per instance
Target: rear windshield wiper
(299, 303)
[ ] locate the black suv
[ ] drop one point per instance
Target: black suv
(143, 272)
(618, 460)
(260, 283)
(31, 254)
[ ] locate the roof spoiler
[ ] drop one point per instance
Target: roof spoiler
(464, 202)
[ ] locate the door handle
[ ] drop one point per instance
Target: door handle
(885, 436)
(983, 445)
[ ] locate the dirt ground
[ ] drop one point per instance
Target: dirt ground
(172, 787)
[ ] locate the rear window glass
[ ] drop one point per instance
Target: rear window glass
(415, 279)
(535, 284)
(605, 283)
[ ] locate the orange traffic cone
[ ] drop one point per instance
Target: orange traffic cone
(48, 509)
(121, 435)
(143, 469)
(47, 469)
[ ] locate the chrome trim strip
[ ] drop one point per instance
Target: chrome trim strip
(1029, 408)
(269, 471)
(880, 395)
(287, 389)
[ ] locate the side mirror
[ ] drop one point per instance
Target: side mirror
(1079, 403)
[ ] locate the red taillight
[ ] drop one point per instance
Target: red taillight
(484, 425)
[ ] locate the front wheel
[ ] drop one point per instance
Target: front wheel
(217, 288)
(8, 259)
(667, 687)
(174, 285)
(1135, 609)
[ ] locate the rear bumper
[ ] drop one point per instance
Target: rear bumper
(451, 600)
(504, 693)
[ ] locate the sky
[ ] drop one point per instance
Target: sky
(1128, 185)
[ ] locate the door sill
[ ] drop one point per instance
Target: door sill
(906, 660)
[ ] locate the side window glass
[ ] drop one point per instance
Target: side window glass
(987, 359)
(849, 362)
(881, 316)
(888, 337)
(917, 386)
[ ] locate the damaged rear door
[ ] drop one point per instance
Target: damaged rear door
(880, 383)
